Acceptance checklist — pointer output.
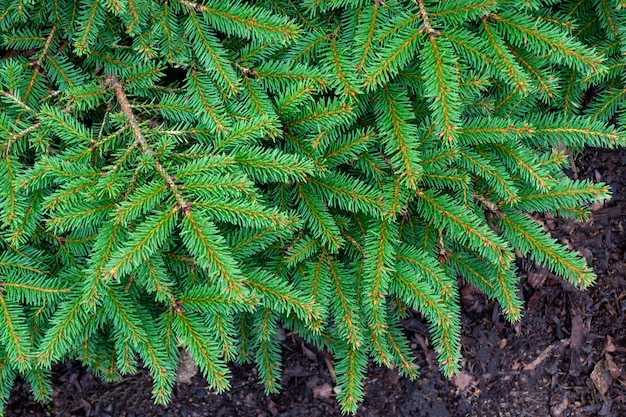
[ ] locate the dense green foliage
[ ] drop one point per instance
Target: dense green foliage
(186, 175)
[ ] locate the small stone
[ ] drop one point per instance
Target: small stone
(463, 380)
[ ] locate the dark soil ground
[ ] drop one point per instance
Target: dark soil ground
(566, 357)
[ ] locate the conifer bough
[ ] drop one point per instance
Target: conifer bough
(180, 175)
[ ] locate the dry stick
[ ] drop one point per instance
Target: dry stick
(486, 203)
(114, 82)
(545, 354)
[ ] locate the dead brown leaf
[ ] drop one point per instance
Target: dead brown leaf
(309, 353)
(557, 409)
(271, 407)
(322, 391)
(463, 380)
(601, 378)
(538, 277)
(612, 367)
(545, 354)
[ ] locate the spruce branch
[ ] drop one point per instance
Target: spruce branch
(114, 82)
(245, 19)
(504, 57)
(544, 39)
(37, 64)
(14, 334)
(368, 32)
(323, 165)
(44, 50)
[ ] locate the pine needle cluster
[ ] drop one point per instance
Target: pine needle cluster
(192, 175)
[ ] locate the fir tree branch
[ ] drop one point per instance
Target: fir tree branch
(202, 239)
(245, 18)
(267, 350)
(442, 85)
(15, 335)
(445, 327)
(401, 135)
(92, 17)
(195, 338)
(548, 40)
(114, 82)
(257, 172)
(463, 8)
(508, 65)
(394, 57)
(345, 306)
(352, 368)
(37, 64)
(369, 31)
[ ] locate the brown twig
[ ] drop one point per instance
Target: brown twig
(114, 82)
(429, 29)
(491, 206)
(44, 51)
(17, 101)
(492, 210)
(17, 136)
(545, 354)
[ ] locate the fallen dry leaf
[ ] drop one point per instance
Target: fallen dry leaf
(546, 354)
(463, 380)
(322, 391)
(612, 367)
(331, 369)
(609, 346)
(296, 371)
(271, 407)
(538, 277)
(309, 353)
(558, 409)
(620, 344)
(601, 378)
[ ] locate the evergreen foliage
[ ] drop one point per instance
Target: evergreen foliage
(181, 175)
